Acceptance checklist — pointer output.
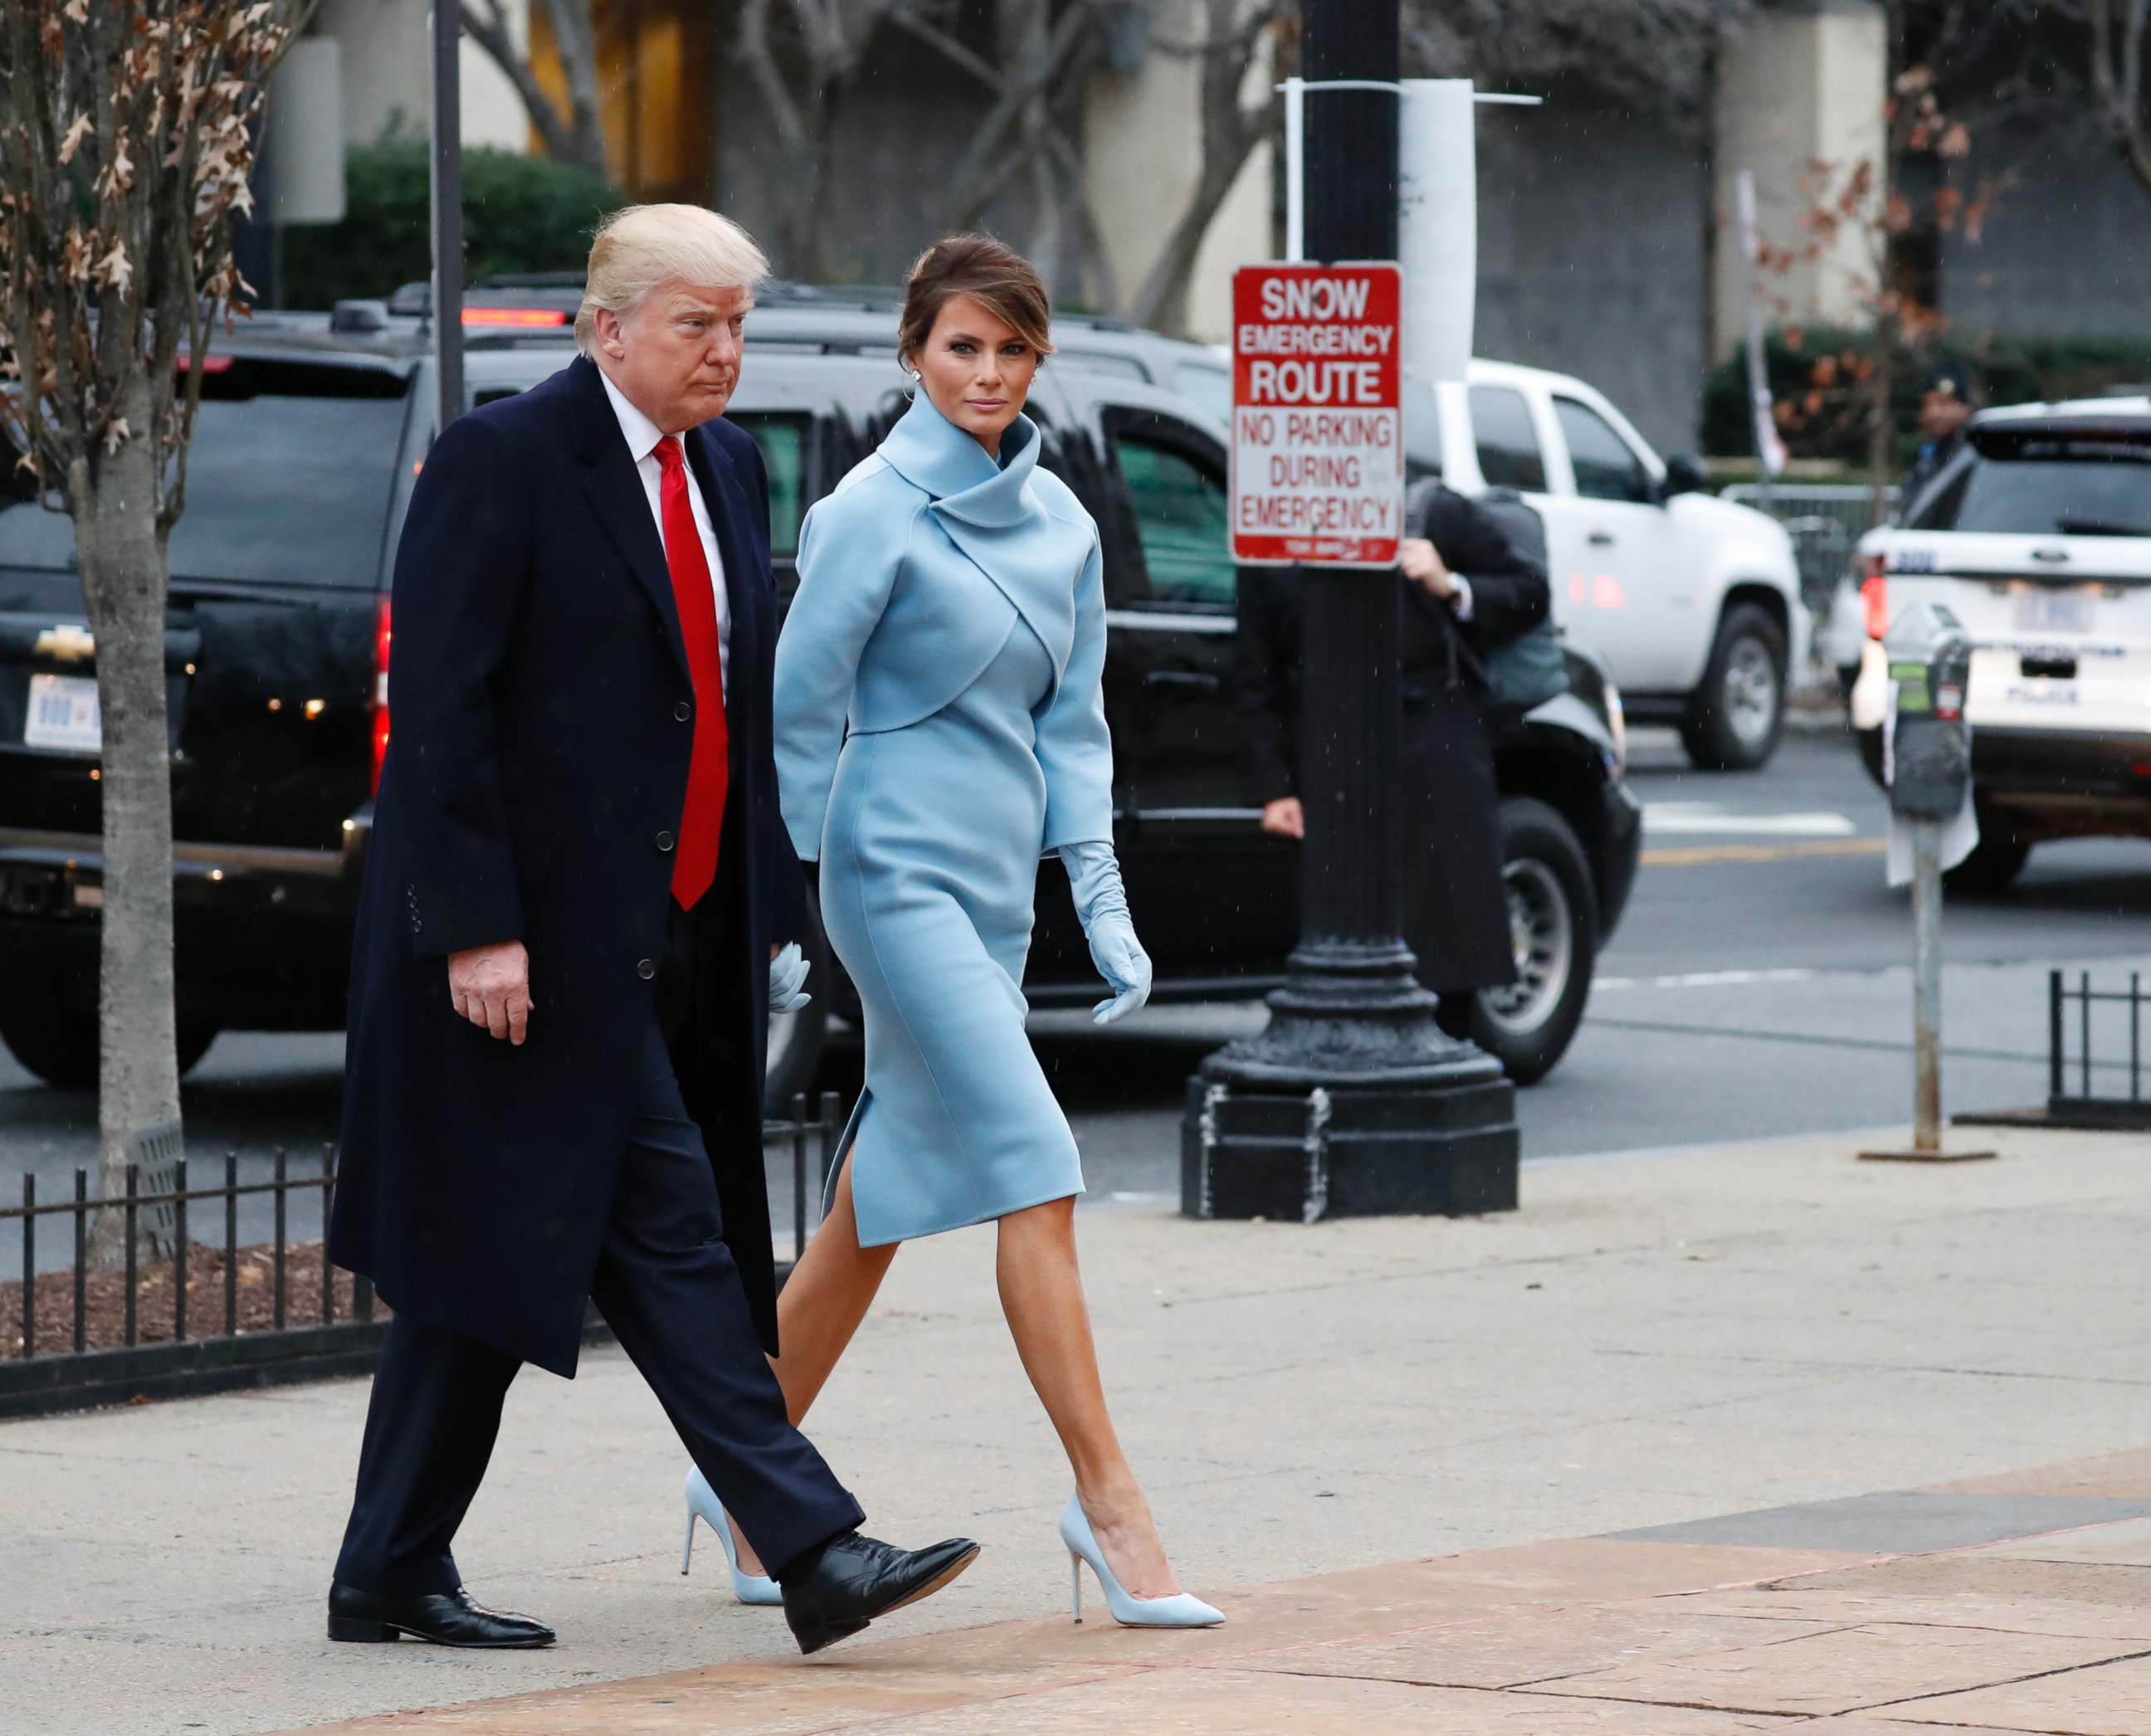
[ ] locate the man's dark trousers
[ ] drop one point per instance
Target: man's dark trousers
(666, 1285)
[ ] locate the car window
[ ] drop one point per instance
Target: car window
(1208, 388)
(1508, 444)
(784, 442)
(289, 478)
(1606, 466)
(1181, 520)
(2045, 497)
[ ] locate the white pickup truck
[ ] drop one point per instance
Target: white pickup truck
(2038, 536)
(1693, 602)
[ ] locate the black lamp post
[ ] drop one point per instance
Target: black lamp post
(1353, 1100)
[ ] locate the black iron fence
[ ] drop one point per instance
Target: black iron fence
(2088, 1029)
(183, 1311)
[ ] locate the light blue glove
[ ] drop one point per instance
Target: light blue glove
(1094, 876)
(787, 979)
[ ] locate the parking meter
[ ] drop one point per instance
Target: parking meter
(1930, 662)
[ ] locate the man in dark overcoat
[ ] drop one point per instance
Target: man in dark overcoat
(562, 967)
(1470, 586)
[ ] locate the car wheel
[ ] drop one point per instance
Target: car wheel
(1553, 928)
(796, 1039)
(1995, 861)
(1736, 716)
(60, 1045)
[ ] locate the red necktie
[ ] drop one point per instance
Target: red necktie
(702, 821)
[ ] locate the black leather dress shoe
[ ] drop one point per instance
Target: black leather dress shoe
(855, 1579)
(447, 1618)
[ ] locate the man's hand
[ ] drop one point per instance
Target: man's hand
(490, 986)
(1284, 817)
(1423, 565)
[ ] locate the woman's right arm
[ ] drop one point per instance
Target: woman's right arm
(849, 555)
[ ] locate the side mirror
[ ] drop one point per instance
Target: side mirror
(1686, 474)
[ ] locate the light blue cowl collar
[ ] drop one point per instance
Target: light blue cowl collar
(930, 452)
(995, 517)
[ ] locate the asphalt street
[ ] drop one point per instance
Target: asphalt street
(1759, 986)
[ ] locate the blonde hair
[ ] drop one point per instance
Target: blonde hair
(640, 246)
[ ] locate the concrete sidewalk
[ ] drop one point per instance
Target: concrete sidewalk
(1647, 1342)
(1758, 1621)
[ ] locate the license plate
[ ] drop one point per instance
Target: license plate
(2041, 610)
(63, 714)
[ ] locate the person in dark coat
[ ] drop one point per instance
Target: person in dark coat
(1947, 407)
(1468, 587)
(564, 960)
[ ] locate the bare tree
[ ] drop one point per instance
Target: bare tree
(803, 57)
(578, 136)
(1234, 34)
(1031, 132)
(2117, 78)
(1653, 55)
(127, 133)
(1880, 204)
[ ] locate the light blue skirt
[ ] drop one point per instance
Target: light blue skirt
(930, 865)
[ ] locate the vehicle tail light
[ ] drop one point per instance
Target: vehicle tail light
(1874, 597)
(528, 316)
(381, 636)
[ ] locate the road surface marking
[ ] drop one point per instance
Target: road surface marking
(1709, 979)
(1691, 856)
(1710, 817)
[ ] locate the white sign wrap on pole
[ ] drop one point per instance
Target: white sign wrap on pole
(1317, 426)
(1438, 225)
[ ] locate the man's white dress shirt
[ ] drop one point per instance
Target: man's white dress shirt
(642, 436)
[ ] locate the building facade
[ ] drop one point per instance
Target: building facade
(1607, 245)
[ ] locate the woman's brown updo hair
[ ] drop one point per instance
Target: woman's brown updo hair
(991, 273)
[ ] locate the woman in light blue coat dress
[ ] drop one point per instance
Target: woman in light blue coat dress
(941, 727)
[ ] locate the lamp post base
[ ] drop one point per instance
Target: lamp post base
(1351, 1103)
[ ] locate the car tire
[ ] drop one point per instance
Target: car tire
(60, 1046)
(1553, 920)
(1995, 861)
(796, 1040)
(1736, 716)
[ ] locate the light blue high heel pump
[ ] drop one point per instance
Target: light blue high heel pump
(702, 1504)
(1183, 1609)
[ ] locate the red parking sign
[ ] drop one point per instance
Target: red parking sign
(1318, 423)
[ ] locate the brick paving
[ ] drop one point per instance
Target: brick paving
(2048, 1633)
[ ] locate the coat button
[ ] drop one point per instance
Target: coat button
(645, 968)
(682, 711)
(665, 841)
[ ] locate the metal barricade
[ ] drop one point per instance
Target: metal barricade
(1826, 521)
(2077, 1092)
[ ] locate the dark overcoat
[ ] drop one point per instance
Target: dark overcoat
(1456, 912)
(541, 724)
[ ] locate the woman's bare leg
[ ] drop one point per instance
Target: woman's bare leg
(1042, 1295)
(819, 1311)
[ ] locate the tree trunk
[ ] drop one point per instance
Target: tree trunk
(575, 33)
(124, 563)
(1881, 431)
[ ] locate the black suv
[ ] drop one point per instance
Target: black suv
(312, 428)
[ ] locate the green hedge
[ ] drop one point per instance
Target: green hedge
(1816, 382)
(520, 214)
